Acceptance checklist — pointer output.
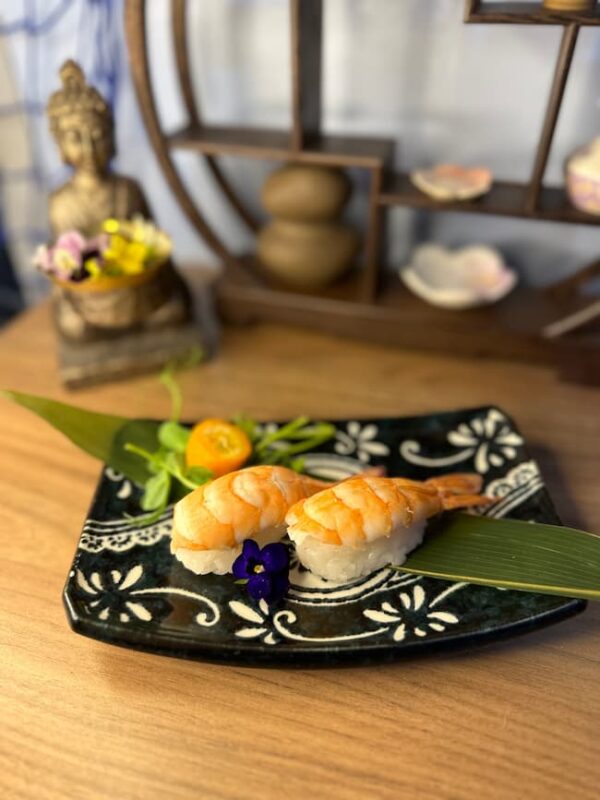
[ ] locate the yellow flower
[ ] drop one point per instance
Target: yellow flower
(129, 257)
(94, 267)
(111, 225)
(136, 244)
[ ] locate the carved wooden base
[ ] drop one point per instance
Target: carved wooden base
(82, 364)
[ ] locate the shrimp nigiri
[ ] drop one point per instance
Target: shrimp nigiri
(211, 523)
(355, 527)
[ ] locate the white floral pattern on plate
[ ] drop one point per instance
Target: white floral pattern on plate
(125, 489)
(414, 614)
(260, 619)
(489, 440)
(360, 440)
(114, 595)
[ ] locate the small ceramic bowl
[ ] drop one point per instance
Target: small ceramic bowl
(583, 178)
(464, 278)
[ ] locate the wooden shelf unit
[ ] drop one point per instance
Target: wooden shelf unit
(367, 304)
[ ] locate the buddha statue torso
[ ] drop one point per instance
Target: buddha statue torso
(75, 207)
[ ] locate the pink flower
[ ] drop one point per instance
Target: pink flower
(65, 259)
(73, 243)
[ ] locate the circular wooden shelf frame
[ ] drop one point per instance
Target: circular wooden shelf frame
(135, 26)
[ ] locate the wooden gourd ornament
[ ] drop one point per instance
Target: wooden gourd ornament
(305, 245)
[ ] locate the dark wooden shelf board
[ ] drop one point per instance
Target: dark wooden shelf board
(504, 199)
(508, 329)
(359, 151)
(529, 14)
(554, 204)
(251, 275)
(350, 151)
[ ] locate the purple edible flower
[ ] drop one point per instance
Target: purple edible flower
(266, 571)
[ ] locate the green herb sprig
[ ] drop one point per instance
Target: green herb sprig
(283, 445)
(170, 474)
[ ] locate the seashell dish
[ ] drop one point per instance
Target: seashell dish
(464, 278)
(453, 182)
(583, 178)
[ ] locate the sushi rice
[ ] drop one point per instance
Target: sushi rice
(342, 563)
(220, 562)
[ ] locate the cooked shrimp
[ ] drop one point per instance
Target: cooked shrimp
(210, 523)
(359, 525)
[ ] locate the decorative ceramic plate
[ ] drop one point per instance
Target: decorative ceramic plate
(453, 181)
(126, 588)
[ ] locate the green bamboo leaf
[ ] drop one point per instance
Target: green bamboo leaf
(103, 436)
(512, 554)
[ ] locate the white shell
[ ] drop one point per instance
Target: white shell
(586, 161)
(583, 178)
(464, 278)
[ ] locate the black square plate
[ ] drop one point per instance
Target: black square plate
(126, 588)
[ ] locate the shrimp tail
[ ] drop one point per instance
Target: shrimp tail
(459, 490)
(465, 501)
(371, 472)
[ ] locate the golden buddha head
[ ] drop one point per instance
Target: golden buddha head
(81, 122)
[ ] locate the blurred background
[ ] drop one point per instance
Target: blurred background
(408, 69)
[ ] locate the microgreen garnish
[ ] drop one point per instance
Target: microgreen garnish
(173, 436)
(173, 464)
(167, 466)
(282, 445)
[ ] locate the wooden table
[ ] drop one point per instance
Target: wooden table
(83, 720)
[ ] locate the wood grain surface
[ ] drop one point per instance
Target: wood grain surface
(81, 719)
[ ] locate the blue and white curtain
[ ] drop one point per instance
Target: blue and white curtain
(36, 36)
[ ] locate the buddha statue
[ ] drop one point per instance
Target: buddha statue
(81, 123)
